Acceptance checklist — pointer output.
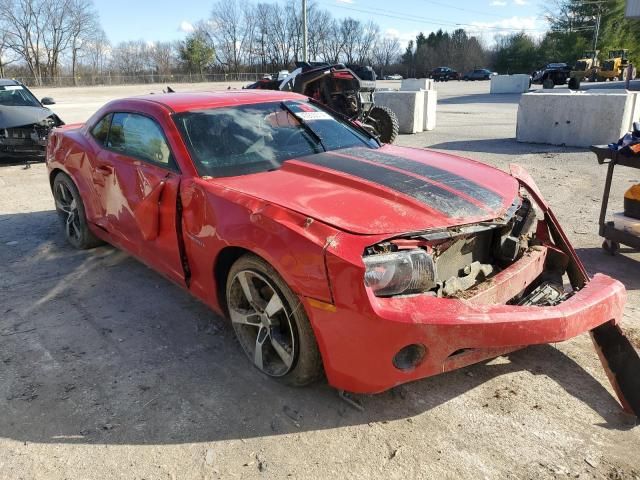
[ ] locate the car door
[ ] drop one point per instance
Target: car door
(139, 181)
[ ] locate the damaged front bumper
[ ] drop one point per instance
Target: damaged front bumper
(371, 344)
(451, 333)
(28, 140)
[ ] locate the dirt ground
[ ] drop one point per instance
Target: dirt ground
(107, 370)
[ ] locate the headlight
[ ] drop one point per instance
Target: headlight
(408, 271)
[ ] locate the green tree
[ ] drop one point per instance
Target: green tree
(516, 53)
(197, 52)
(574, 24)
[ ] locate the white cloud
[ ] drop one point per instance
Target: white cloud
(507, 25)
(345, 1)
(520, 2)
(498, 3)
(186, 27)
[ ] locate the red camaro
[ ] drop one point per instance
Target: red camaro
(329, 252)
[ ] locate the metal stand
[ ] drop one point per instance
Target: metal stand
(613, 236)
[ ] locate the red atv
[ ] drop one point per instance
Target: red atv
(347, 91)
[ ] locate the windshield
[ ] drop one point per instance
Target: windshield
(17, 96)
(239, 140)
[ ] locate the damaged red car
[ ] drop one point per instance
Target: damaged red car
(330, 253)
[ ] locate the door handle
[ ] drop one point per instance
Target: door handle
(105, 169)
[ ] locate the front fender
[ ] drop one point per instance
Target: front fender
(215, 217)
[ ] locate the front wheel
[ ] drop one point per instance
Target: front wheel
(270, 323)
(610, 247)
(72, 213)
(548, 84)
(574, 83)
(384, 122)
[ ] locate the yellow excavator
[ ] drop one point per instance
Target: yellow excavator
(615, 67)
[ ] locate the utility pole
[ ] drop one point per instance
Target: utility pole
(597, 32)
(305, 51)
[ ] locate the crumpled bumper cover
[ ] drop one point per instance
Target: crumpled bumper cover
(359, 346)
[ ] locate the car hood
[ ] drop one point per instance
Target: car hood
(389, 190)
(11, 117)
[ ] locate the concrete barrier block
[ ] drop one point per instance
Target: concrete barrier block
(576, 119)
(408, 107)
(509, 83)
(430, 109)
(416, 84)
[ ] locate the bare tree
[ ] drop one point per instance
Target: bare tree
(163, 57)
(98, 49)
(385, 52)
(319, 29)
(351, 31)
(7, 57)
(367, 40)
(24, 22)
(83, 23)
(334, 46)
(131, 58)
(231, 26)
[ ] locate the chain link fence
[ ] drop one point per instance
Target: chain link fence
(115, 79)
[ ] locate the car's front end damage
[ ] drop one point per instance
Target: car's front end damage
(419, 304)
(24, 131)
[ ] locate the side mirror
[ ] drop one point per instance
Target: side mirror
(47, 101)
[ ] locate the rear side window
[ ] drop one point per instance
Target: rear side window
(139, 136)
(101, 131)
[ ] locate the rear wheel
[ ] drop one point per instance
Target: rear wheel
(384, 122)
(270, 323)
(72, 214)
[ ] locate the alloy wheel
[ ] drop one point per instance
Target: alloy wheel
(263, 323)
(68, 208)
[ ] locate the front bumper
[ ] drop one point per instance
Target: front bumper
(23, 146)
(359, 344)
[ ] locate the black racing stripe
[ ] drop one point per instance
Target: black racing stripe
(433, 196)
(487, 197)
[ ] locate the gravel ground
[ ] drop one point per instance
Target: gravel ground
(109, 371)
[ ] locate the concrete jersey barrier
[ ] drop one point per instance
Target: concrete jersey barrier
(510, 83)
(577, 119)
(416, 84)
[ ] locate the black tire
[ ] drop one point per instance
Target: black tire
(384, 122)
(71, 211)
(574, 83)
(548, 83)
(289, 325)
(611, 247)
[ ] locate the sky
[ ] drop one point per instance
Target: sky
(165, 20)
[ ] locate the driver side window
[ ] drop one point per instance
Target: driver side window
(140, 137)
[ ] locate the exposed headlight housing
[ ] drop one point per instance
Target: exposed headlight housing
(410, 271)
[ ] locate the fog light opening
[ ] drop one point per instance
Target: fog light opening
(409, 357)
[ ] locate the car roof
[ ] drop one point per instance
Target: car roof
(186, 101)
(7, 81)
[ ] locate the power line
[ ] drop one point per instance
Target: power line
(466, 10)
(439, 22)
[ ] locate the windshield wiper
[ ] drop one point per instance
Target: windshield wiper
(305, 125)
